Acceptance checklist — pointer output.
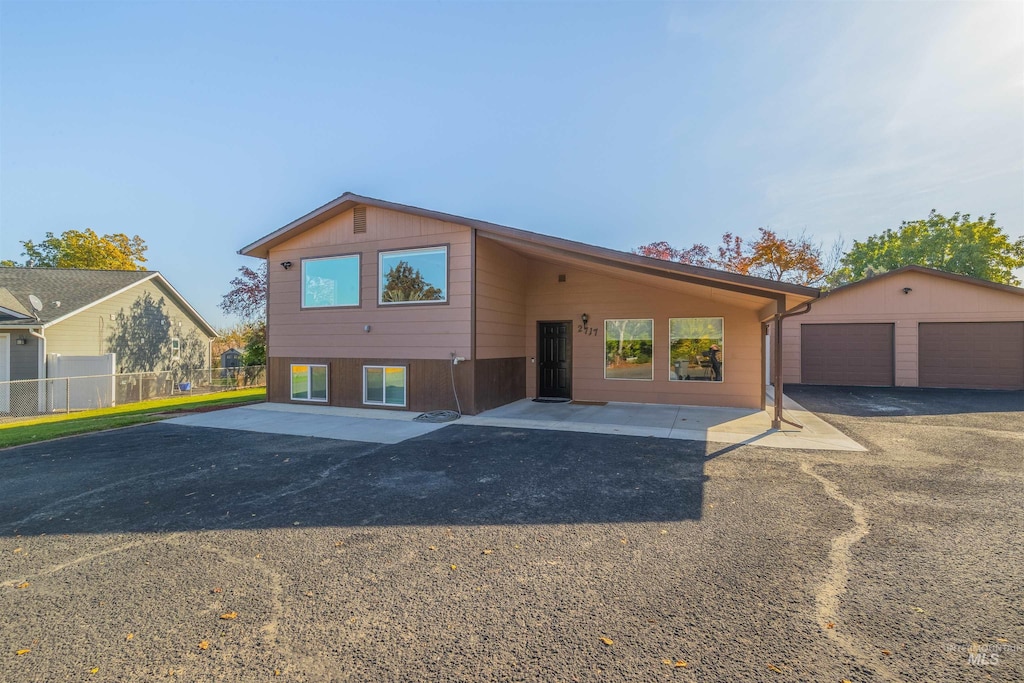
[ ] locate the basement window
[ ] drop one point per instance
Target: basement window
(309, 383)
(384, 385)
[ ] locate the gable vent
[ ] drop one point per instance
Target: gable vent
(359, 219)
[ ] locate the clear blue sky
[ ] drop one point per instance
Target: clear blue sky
(203, 126)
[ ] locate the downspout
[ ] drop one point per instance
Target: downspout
(777, 418)
(41, 366)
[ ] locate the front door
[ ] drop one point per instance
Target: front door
(554, 359)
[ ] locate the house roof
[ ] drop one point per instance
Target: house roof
(66, 291)
(555, 245)
(955, 277)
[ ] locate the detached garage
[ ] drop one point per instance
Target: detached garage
(910, 327)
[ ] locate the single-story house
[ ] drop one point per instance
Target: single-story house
(373, 303)
(128, 321)
(910, 327)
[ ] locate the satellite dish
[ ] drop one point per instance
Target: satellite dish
(36, 303)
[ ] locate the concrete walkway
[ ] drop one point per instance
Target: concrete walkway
(694, 423)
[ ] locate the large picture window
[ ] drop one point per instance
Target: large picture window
(696, 349)
(332, 281)
(309, 383)
(629, 349)
(384, 386)
(414, 276)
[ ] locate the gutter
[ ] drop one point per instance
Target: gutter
(777, 419)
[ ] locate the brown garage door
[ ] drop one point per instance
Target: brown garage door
(971, 355)
(857, 354)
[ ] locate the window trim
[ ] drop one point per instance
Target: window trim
(722, 343)
(175, 348)
(405, 386)
(446, 248)
(604, 342)
(309, 379)
(359, 281)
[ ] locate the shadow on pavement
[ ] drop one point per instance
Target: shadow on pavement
(160, 478)
(903, 401)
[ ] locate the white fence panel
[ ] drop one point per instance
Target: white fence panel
(92, 385)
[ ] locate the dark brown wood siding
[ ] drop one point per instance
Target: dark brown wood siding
(428, 382)
(971, 355)
(853, 354)
(499, 381)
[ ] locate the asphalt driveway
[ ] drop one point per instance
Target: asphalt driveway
(482, 553)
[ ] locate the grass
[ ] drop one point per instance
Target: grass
(56, 426)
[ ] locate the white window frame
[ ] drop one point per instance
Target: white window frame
(405, 385)
(309, 382)
(443, 248)
(334, 257)
(175, 348)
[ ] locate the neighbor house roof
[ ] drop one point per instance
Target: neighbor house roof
(955, 277)
(708, 276)
(64, 292)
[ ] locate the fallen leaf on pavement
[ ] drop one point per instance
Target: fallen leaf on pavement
(23, 652)
(607, 641)
(17, 550)
(217, 590)
(830, 625)
(488, 552)
(24, 584)
(94, 670)
(454, 567)
(129, 637)
(667, 662)
(204, 645)
(886, 652)
(229, 615)
(680, 663)
(774, 668)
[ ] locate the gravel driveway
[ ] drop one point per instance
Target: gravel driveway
(478, 553)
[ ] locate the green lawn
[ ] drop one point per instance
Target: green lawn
(54, 426)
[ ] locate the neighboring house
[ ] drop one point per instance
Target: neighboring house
(373, 303)
(135, 315)
(910, 327)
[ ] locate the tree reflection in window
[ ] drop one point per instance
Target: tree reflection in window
(414, 276)
(404, 283)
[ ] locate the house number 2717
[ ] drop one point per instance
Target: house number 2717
(587, 330)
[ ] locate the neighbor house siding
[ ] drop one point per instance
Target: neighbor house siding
(87, 333)
(931, 298)
(24, 357)
(415, 331)
(603, 296)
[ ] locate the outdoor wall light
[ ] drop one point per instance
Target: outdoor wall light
(367, 328)
(286, 264)
(21, 341)
(907, 290)
(585, 318)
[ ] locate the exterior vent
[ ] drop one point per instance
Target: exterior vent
(359, 219)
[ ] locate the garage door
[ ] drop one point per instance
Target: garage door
(856, 354)
(971, 355)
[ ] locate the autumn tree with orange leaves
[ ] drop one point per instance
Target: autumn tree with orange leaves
(784, 259)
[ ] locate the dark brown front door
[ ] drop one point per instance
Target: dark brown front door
(554, 359)
(858, 354)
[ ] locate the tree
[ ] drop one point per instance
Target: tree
(770, 256)
(956, 244)
(248, 296)
(86, 249)
(404, 283)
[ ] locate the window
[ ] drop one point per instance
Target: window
(309, 383)
(629, 349)
(332, 281)
(696, 351)
(414, 276)
(175, 348)
(384, 386)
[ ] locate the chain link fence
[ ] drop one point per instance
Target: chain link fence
(32, 397)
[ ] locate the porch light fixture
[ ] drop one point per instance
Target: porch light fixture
(21, 341)
(907, 290)
(585, 318)
(286, 264)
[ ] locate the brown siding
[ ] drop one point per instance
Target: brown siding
(424, 331)
(86, 333)
(428, 382)
(972, 355)
(499, 381)
(852, 354)
(604, 294)
(500, 300)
